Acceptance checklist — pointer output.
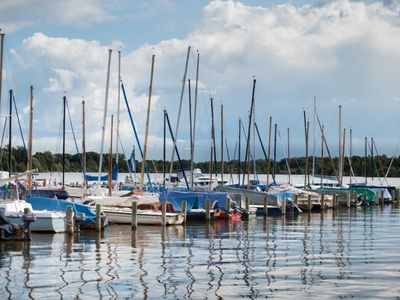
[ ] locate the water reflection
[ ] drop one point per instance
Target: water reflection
(339, 253)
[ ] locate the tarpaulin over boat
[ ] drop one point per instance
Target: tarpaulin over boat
(193, 199)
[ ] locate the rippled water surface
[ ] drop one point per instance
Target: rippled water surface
(340, 254)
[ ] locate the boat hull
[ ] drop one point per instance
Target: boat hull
(122, 215)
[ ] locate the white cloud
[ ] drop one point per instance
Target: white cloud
(340, 51)
(17, 14)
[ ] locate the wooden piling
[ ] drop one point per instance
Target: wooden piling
(393, 194)
(69, 222)
(247, 203)
(382, 198)
(228, 208)
(184, 207)
(365, 198)
(309, 203)
(208, 215)
(265, 206)
(355, 199)
(322, 202)
(296, 199)
(134, 214)
(98, 217)
(283, 207)
(164, 213)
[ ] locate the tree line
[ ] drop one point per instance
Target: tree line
(376, 166)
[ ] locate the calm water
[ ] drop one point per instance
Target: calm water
(343, 254)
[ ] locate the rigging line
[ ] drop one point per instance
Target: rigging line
(327, 148)
(73, 134)
(19, 123)
(380, 162)
(2, 139)
(392, 160)
(370, 147)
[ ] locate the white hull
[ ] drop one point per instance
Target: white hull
(45, 221)
(121, 215)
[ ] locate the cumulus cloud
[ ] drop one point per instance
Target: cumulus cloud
(17, 14)
(340, 50)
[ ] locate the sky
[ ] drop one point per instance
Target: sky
(341, 53)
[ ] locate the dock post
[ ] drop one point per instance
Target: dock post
(265, 206)
(296, 199)
(247, 203)
(393, 196)
(208, 216)
(228, 208)
(309, 203)
(365, 198)
(184, 207)
(69, 220)
(355, 199)
(382, 198)
(283, 207)
(164, 213)
(98, 217)
(322, 202)
(134, 215)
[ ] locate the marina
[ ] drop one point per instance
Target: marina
(345, 253)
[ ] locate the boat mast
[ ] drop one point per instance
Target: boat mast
(322, 154)
(247, 155)
(365, 159)
(83, 149)
(351, 153)
(239, 162)
(191, 135)
(288, 150)
(147, 123)
(105, 114)
(269, 150)
(213, 151)
(118, 109)
(313, 150)
(222, 143)
(29, 167)
(274, 166)
(1, 63)
(110, 158)
(306, 141)
(63, 143)
(9, 135)
(340, 171)
(179, 111)
(194, 121)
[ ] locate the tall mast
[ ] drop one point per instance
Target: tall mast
(191, 135)
(239, 148)
(110, 158)
(222, 143)
(247, 155)
(306, 141)
(269, 150)
(340, 171)
(365, 159)
(288, 150)
(213, 150)
(29, 167)
(179, 111)
(147, 122)
(322, 154)
(351, 151)
(194, 119)
(313, 150)
(372, 159)
(274, 167)
(119, 107)
(1, 63)
(63, 143)
(105, 114)
(9, 135)
(83, 149)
